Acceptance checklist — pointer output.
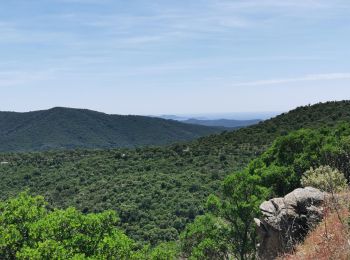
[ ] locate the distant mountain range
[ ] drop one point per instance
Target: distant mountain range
(223, 120)
(227, 123)
(241, 116)
(67, 128)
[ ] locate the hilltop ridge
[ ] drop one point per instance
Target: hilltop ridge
(68, 128)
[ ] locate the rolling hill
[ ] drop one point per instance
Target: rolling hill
(67, 128)
(155, 190)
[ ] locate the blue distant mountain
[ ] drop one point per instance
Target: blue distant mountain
(239, 116)
(227, 123)
(223, 120)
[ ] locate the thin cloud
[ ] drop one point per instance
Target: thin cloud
(278, 4)
(156, 26)
(313, 77)
(14, 78)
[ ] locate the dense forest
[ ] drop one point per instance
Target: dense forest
(67, 128)
(31, 229)
(157, 191)
(173, 192)
(227, 228)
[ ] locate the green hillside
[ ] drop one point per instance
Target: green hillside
(157, 190)
(32, 229)
(66, 128)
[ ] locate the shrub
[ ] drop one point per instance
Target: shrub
(206, 238)
(30, 230)
(324, 178)
(213, 204)
(165, 251)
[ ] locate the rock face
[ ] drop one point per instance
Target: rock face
(286, 221)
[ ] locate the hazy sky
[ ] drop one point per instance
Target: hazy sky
(167, 56)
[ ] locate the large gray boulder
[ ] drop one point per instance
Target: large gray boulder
(286, 221)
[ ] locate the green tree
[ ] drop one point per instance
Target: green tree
(243, 195)
(29, 230)
(213, 205)
(165, 251)
(206, 238)
(16, 217)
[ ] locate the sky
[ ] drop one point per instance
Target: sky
(173, 57)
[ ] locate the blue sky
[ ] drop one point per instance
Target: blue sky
(173, 57)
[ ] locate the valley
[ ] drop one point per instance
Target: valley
(156, 191)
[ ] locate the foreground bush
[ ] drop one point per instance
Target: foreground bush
(29, 230)
(227, 231)
(324, 178)
(206, 238)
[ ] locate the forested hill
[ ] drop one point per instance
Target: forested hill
(263, 133)
(155, 190)
(66, 128)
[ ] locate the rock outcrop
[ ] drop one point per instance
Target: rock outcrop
(286, 221)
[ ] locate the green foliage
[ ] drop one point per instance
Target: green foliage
(156, 191)
(213, 205)
(243, 195)
(165, 251)
(276, 172)
(325, 178)
(279, 178)
(16, 218)
(282, 166)
(48, 249)
(28, 230)
(206, 238)
(231, 230)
